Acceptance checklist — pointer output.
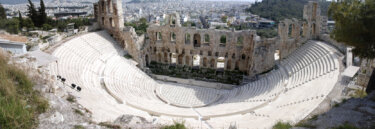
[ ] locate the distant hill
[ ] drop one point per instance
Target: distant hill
(280, 9)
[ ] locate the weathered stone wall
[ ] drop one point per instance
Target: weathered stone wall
(170, 43)
(207, 44)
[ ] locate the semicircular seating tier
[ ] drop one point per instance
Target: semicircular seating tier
(113, 85)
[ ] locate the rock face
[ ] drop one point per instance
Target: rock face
(56, 118)
(126, 120)
(356, 112)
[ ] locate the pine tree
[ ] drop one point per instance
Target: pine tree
(42, 13)
(32, 13)
(20, 19)
(354, 25)
(2, 12)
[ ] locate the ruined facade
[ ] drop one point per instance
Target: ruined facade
(170, 43)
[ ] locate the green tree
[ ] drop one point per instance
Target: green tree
(2, 12)
(42, 13)
(28, 23)
(46, 27)
(12, 26)
(32, 13)
(20, 19)
(224, 19)
(355, 25)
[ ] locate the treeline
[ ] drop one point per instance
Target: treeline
(139, 26)
(280, 9)
(37, 20)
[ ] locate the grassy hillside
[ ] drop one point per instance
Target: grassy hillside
(19, 103)
(280, 9)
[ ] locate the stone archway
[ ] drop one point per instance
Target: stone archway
(187, 60)
(147, 60)
(229, 64)
(237, 65)
(197, 40)
(212, 63)
(205, 61)
(180, 59)
(313, 29)
(159, 57)
(165, 57)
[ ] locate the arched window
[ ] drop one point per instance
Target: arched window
(187, 38)
(165, 57)
(205, 61)
(197, 40)
(173, 36)
(173, 58)
(212, 63)
(220, 63)
(223, 40)
(229, 64)
(206, 38)
(158, 36)
(180, 59)
(196, 60)
(240, 41)
(187, 60)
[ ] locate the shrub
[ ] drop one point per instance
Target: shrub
(20, 105)
(176, 125)
(345, 126)
(71, 98)
(109, 125)
(78, 112)
(281, 125)
(79, 127)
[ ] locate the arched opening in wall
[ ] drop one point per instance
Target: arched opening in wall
(173, 58)
(301, 31)
(196, 60)
(102, 7)
(111, 22)
(158, 36)
(237, 65)
(159, 57)
(229, 64)
(146, 60)
(180, 58)
(313, 29)
(165, 57)
(173, 21)
(187, 60)
(220, 63)
(277, 55)
(197, 40)
(239, 40)
(223, 40)
(212, 63)
(243, 57)
(205, 61)
(124, 44)
(115, 10)
(290, 30)
(315, 6)
(173, 36)
(109, 4)
(187, 38)
(206, 40)
(102, 20)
